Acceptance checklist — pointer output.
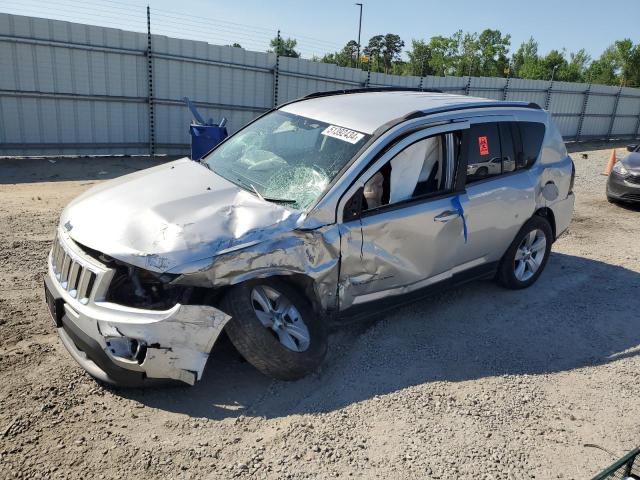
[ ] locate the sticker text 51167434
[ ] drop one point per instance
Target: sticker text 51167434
(344, 134)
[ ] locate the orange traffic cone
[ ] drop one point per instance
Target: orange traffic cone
(611, 163)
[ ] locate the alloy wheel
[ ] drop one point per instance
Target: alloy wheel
(278, 314)
(530, 255)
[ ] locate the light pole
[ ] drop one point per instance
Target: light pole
(553, 72)
(359, 31)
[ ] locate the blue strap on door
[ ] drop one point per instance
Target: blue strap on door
(458, 206)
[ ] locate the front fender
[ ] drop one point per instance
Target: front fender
(314, 254)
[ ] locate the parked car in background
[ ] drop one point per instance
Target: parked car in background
(623, 184)
(332, 206)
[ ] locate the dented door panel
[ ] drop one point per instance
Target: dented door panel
(494, 212)
(395, 251)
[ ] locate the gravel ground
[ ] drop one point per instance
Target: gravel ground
(478, 382)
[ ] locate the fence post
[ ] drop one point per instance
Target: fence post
(505, 89)
(547, 101)
(276, 72)
(582, 113)
(366, 83)
(614, 112)
(152, 127)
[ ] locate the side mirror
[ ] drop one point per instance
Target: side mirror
(632, 148)
(353, 207)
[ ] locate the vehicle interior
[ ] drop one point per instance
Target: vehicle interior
(418, 170)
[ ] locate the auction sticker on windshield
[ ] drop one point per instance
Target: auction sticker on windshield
(341, 133)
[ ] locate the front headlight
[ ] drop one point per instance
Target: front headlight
(619, 168)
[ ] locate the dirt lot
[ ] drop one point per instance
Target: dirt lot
(479, 382)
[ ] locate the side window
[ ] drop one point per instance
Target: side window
(494, 149)
(418, 170)
(531, 136)
(482, 147)
(508, 135)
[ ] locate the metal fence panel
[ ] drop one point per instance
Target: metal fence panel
(630, 102)
(624, 127)
(69, 88)
(523, 90)
(446, 84)
(384, 80)
(488, 87)
(299, 77)
(602, 98)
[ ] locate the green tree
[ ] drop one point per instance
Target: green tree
(419, 59)
(574, 70)
(467, 59)
(392, 46)
(443, 55)
(236, 45)
(627, 57)
(493, 48)
(553, 64)
(284, 47)
(373, 50)
(347, 57)
(487, 54)
(526, 62)
(603, 70)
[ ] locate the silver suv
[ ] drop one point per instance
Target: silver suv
(329, 207)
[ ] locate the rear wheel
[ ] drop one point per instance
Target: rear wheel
(275, 329)
(527, 255)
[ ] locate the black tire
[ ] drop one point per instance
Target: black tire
(259, 345)
(482, 172)
(506, 269)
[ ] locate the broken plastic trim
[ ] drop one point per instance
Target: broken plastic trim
(176, 346)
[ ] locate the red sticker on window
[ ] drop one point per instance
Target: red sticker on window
(483, 143)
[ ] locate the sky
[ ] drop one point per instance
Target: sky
(322, 26)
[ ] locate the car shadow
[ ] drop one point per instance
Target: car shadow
(34, 170)
(632, 207)
(580, 313)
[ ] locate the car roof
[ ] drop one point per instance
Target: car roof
(367, 111)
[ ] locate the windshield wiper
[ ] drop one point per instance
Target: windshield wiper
(268, 199)
(279, 200)
(256, 191)
(249, 186)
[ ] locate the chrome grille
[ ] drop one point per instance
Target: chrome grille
(72, 276)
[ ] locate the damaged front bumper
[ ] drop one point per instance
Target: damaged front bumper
(122, 345)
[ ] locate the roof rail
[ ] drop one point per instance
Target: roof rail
(369, 90)
(469, 106)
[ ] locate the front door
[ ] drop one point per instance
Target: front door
(410, 229)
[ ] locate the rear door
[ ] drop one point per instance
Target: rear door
(497, 200)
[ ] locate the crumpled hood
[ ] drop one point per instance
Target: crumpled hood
(171, 215)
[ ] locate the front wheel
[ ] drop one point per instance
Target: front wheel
(275, 329)
(527, 255)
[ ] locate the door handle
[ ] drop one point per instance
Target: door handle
(446, 216)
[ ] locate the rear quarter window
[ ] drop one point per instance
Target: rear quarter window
(531, 136)
(482, 148)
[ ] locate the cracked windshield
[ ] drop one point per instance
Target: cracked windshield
(286, 158)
